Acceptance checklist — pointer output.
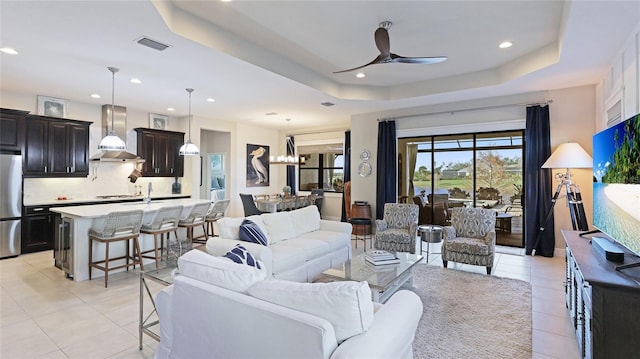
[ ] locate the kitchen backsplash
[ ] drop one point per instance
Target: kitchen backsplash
(105, 178)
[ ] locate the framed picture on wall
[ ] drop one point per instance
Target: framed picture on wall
(53, 107)
(257, 165)
(158, 122)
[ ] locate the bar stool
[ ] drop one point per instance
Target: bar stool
(195, 217)
(116, 227)
(163, 222)
(216, 212)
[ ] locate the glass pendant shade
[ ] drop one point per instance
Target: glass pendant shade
(111, 142)
(189, 148)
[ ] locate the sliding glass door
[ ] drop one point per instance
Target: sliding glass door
(472, 170)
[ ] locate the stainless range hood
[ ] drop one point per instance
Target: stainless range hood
(120, 128)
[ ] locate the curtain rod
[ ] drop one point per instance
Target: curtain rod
(465, 110)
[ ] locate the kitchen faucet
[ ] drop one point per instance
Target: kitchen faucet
(149, 190)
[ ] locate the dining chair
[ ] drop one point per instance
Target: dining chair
(249, 205)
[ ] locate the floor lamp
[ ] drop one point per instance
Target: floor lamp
(567, 155)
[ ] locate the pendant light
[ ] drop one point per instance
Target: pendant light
(189, 149)
(111, 142)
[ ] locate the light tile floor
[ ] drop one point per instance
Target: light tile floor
(44, 315)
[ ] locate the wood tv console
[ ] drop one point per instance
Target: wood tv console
(604, 304)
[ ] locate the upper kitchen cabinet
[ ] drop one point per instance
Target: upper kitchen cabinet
(11, 130)
(160, 150)
(55, 147)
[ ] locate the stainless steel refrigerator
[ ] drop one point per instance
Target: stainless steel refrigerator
(10, 204)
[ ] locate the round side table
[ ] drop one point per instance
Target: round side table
(430, 234)
(363, 223)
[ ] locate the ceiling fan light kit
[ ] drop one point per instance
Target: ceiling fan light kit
(381, 36)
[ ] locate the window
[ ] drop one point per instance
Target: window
(323, 170)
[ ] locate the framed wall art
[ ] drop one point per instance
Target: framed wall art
(257, 165)
(158, 122)
(53, 107)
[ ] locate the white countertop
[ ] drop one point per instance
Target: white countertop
(53, 201)
(101, 210)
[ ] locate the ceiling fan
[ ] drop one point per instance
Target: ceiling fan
(381, 36)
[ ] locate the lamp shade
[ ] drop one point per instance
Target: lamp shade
(569, 155)
(112, 142)
(189, 149)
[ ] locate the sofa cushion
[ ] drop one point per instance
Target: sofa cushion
(312, 248)
(219, 271)
(285, 258)
(335, 240)
(229, 227)
(250, 232)
(346, 305)
(306, 219)
(241, 255)
(279, 226)
(468, 245)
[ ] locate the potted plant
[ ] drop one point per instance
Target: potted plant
(286, 190)
(518, 195)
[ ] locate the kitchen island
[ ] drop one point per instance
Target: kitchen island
(73, 232)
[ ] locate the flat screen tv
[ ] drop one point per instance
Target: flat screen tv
(616, 183)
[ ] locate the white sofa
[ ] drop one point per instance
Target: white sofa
(300, 244)
(200, 318)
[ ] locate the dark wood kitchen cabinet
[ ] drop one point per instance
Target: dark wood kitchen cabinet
(160, 150)
(37, 229)
(11, 130)
(56, 147)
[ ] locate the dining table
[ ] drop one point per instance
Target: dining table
(277, 204)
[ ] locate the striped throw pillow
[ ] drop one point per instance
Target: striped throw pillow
(250, 232)
(241, 255)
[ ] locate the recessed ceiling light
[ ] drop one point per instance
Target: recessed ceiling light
(211, 99)
(171, 109)
(9, 50)
(505, 45)
(360, 75)
(95, 95)
(135, 81)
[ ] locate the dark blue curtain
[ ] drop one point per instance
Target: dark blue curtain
(538, 182)
(347, 169)
(387, 164)
(291, 170)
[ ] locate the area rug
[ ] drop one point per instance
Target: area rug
(468, 315)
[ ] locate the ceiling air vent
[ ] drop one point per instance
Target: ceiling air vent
(156, 45)
(327, 104)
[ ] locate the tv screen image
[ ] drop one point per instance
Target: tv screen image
(616, 182)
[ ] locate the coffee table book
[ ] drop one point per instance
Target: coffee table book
(379, 257)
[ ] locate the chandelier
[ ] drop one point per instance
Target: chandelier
(286, 158)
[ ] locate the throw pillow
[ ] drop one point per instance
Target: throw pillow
(221, 181)
(251, 232)
(346, 305)
(229, 227)
(241, 255)
(219, 271)
(214, 183)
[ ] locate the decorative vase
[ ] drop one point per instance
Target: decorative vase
(176, 187)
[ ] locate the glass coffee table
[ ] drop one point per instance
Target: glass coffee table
(383, 280)
(149, 325)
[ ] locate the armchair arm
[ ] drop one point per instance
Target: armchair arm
(449, 232)
(381, 225)
(490, 239)
(413, 229)
(392, 333)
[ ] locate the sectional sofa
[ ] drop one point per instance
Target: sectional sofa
(299, 247)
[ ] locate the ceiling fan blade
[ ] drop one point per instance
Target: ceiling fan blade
(382, 40)
(417, 60)
(378, 60)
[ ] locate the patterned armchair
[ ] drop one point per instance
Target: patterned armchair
(397, 231)
(471, 238)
